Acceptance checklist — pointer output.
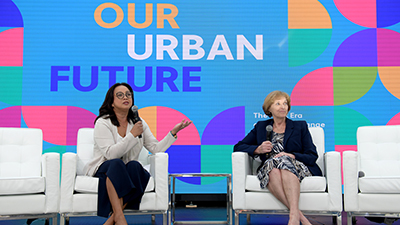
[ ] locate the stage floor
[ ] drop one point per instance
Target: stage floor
(200, 213)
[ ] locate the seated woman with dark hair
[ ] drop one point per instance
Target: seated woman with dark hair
(118, 140)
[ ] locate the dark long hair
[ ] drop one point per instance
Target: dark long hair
(106, 110)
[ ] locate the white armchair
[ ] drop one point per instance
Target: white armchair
(29, 181)
(79, 192)
(319, 195)
(372, 174)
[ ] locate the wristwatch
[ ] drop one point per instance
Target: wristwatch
(175, 136)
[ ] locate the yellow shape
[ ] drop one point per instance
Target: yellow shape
(307, 14)
(149, 114)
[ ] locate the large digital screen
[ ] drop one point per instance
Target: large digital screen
(209, 61)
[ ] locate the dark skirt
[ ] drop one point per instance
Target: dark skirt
(129, 181)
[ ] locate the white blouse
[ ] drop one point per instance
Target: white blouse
(108, 144)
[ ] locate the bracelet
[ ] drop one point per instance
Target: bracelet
(175, 136)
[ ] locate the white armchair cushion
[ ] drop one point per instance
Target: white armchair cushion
(309, 184)
(22, 185)
(379, 185)
(87, 184)
(20, 152)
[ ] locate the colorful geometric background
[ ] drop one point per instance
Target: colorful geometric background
(339, 60)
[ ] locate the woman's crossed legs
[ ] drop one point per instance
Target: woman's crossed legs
(285, 186)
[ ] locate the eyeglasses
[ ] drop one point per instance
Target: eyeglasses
(121, 95)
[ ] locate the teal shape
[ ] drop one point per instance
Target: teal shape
(305, 45)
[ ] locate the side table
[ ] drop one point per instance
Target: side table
(171, 218)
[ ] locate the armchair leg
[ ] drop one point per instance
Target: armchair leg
(236, 217)
(165, 218)
(349, 219)
(53, 221)
(64, 220)
(339, 219)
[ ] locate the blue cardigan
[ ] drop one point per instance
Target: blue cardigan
(297, 141)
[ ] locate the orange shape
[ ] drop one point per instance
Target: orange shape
(307, 14)
(390, 79)
(149, 114)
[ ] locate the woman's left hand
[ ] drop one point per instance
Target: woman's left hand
(183, 124)
(284, 153)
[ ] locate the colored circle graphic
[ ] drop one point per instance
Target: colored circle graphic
(310, 31)
(161, 120)
(370, 13)
(190, 155)
(60, 124)
(389, 60)
(395, 120)
(11, 52)
(217, 142)
(358, 60)
(185, 153)
(314, 89)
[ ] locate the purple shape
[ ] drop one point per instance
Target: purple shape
(358, 50)
(185, 159)
(10, 117)
(227, 128)
(388, 47)
(387, 12)
(10, 15)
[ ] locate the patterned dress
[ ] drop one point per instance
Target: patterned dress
(284, 162)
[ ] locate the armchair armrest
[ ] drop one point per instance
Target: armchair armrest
(350, 175)
(68, 174)
(51, 172)
(240, 169)
(334, 179)
(159, 171)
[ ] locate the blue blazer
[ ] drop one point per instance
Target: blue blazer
(297, 141)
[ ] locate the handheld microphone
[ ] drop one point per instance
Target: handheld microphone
(269, 130)
(136, 117)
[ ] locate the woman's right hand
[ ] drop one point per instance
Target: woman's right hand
(137, 129)
(265, 147)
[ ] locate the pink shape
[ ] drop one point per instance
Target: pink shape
(11, 47)
(51, 119)
(314, 89)
(388, 42)
(167, 118)
(10, 117)
(395, 120)
(341, 149)
(361, 12)
(77, 118)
